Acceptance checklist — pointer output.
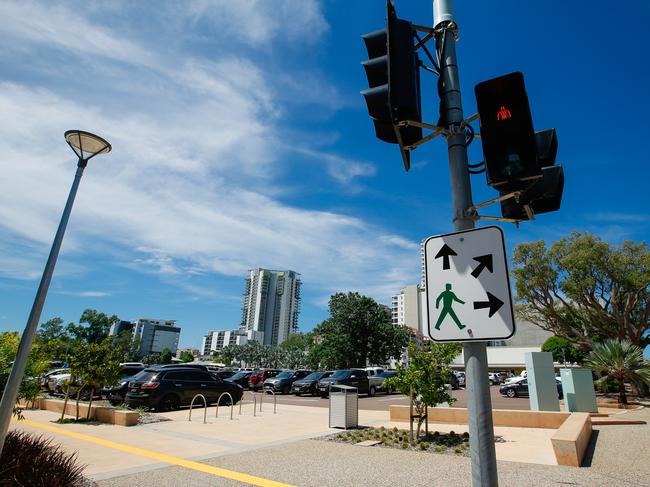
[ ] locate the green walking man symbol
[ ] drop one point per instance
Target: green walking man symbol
(448, 298)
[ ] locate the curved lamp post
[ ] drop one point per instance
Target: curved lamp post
(86, 146)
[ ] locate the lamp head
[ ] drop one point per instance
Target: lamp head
(86, 145)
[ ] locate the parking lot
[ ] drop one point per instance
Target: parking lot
(382, 401)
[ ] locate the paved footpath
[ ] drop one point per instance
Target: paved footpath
(273, 450)
(620, 458)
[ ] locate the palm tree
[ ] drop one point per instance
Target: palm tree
(620, 360)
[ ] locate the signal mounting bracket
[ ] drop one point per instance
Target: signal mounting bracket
(472, 211)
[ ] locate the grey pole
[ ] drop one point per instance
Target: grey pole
(18, 368)
(479, 403)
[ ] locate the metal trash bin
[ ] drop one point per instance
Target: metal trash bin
(344, 407)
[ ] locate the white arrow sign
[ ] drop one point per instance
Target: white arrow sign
(468, 289)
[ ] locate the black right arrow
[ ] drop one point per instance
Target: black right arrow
(445, 252)
(483, 261)
(493, 303)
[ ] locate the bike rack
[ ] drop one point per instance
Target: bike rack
(275, 400)
(254, 403)
(219, 401)
(205, 407)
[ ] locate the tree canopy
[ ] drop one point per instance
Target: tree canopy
(99, 325)
(563, 350)
(584, 289)
(358, 332)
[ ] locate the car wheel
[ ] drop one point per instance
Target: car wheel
(286, 389)
(298, 394)
(169, 403)
(225, 401)
(511, 393)
(323, 396)
(372, 391)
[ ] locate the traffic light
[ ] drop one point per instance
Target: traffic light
(393, 76)
(545, 195)
(507, 134)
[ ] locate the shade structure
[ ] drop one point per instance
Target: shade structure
(85, 144)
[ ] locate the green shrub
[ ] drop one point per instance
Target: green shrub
(405, 445)
(32, 460)
(423, 445)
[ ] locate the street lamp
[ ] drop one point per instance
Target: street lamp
(86, 146)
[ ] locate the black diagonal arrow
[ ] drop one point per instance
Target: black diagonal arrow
(484, 261)
(445, 252)
(493, 303)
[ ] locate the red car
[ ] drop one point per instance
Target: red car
(257, 378)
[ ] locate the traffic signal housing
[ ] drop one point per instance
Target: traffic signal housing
(393, 76)
(507, 133)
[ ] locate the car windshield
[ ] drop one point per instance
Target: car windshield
(388, 374)
(240, 375)
(314, 376)
(145, 375)
(341, 374)
(285, 375)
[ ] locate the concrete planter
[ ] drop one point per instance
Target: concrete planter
(102, 414)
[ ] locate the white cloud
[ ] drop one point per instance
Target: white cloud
(190, 185)
(257, 22)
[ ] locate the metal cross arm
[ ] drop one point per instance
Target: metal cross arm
(436, 131)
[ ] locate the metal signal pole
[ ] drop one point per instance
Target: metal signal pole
(479, 403)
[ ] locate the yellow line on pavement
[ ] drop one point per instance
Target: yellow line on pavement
(162, 457)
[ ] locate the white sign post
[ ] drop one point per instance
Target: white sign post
(468, 290)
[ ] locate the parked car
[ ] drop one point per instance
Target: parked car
(223, 374)
(520, 388)
(116, 394)
(453, 380)
(46, 377)
(494, 378)
(257, 378)
(284, 380)
(382, 377)
(461, 379)
(55, 382)
(309, 384)
(350, 377)
(240, 378)
(168, 388)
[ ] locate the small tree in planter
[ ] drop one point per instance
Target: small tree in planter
(100, 366)
(426, 377)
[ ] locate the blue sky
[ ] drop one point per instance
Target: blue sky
(240, 140)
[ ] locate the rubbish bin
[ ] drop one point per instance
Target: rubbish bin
(344, 407)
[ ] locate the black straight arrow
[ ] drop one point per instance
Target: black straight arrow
(484, 261)
(493, 303)
(445, 252)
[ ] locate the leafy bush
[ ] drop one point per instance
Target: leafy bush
(32, 460)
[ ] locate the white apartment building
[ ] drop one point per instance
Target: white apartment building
(216, 340)
(155, 334)
(271, 304)
(407, 308)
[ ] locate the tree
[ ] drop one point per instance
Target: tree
(621, 361)
(186, 357)
(98, 365)
(99, 325)
(358, 332)
(563, 351)
(584, 290)
(166, 356)
(426, 376)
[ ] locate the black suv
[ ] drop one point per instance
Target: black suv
(167, 389)
(351, 377)
(115, 394)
